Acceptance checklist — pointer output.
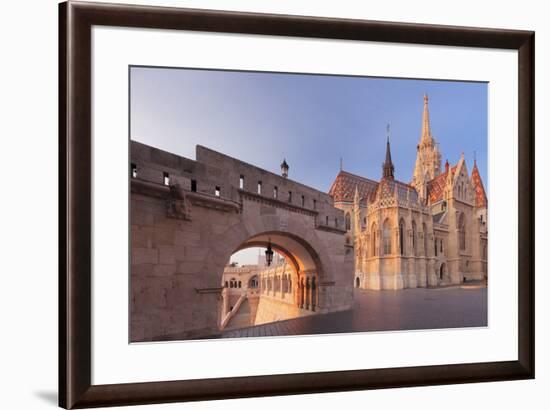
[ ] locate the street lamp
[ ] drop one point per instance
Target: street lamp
(284, 169)
(269, 254)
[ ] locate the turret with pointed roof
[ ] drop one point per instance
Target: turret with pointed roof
(428, 157)
(387, 166)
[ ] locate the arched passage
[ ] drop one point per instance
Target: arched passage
(183, 238)
(275, 297)
(300, 253)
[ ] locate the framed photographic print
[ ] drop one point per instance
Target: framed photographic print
(257, 204)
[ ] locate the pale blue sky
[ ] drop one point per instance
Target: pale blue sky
(311, 120)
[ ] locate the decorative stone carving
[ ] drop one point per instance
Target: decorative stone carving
(177, 205)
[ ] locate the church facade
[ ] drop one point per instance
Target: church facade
(431, 231)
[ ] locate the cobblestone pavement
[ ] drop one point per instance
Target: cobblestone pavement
(407, 309)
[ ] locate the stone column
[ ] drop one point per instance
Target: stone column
(313, 294)
(308, 294)
(301, 291)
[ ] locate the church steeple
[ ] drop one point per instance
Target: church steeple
(426, 136)
(428, 157)
(387, 166)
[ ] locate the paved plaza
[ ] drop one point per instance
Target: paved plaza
(407, 309)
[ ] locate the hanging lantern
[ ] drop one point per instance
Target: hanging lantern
(269, 254)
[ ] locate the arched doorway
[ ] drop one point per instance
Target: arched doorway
(274, 298)
(357, 282)
(442, 271)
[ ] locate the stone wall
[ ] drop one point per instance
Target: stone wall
(273, 309)
(183, 233)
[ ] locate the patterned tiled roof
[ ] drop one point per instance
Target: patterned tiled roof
(437, 185)
(481, 197)
(405, 191)
(343, 187)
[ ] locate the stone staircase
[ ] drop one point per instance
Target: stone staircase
(241, 318)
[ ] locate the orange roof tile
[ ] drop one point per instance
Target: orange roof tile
(481, 197)
(343, 187)
(437, 185)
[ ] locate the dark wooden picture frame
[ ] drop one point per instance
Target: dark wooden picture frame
(75, 194)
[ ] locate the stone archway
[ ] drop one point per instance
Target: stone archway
(276, 298)
(183, 236)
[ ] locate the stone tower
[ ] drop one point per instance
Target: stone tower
(428, 157)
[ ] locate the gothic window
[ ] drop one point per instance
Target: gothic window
(259, 187)
(289, 196)
(374, 251)
(441, 246)
(241, 182)
(326, 220)
(314, 204)
(425, 239)
(240, 284)
(348, 221)
(166, 178)
(217, 191)
(386, 237)
(336, 222)
(414, 237)
(303, 201)
(402, 236)
(275, 192)
(226, 284)
(134, 170)
(435, 247)
(461, 232)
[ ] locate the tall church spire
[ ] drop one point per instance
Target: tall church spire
(428, 157)
(426, 136)
(387, 167)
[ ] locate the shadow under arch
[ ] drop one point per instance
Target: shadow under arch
(300, 254)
